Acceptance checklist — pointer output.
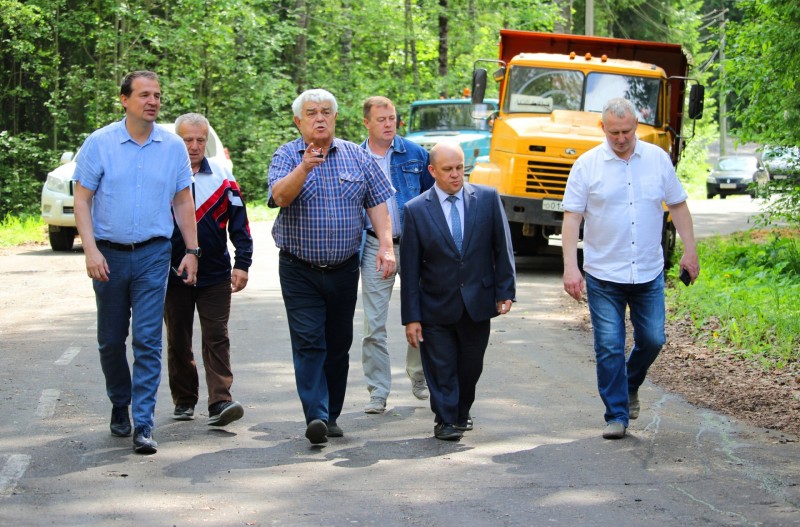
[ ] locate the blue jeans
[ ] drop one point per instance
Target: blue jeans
(137, 285)
(320, 305)
(607, 304)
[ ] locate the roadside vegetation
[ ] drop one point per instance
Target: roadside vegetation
(746, 301)
(249, 59)
(29, 228)
(17, 230)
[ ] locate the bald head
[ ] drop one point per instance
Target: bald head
(440, 148)
(447, 167)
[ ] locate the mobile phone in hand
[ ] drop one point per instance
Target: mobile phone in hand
(175, 272)
(685, 278)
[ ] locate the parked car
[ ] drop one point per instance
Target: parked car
(782, 162)
(743, 174)
(57, 200)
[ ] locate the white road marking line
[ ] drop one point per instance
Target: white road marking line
(67, 356)
(47, 403)
(13, 470)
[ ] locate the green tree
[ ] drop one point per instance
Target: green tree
(760, 69)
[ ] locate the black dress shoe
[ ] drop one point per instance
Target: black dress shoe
(143, 442)
(317, 432)
(464, 426)
(120, 421)
(446, 432)
(335, 430)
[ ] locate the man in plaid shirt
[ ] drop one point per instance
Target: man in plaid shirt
(323, 185)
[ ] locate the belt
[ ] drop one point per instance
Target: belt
(126, 246)
(330, 267)
(395, 240)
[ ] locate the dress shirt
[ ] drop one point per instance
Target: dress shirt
(133, 184)
(621, 203)
(385, 162)
(324, 223)
(446, 206)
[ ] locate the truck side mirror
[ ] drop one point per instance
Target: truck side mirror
(479, 76)
(696, 101)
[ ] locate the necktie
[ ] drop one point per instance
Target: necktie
(455, 220)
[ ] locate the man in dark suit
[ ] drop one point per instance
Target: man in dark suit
(457, 269)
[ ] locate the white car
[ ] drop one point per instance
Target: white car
(57, 202)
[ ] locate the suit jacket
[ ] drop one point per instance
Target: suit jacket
(438, 283)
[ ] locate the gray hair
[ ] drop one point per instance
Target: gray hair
(315, 95)
(619, 107)
(192, 119)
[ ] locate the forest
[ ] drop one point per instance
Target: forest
(242, 62)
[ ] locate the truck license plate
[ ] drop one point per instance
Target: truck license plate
(551, 204)
(727, 185)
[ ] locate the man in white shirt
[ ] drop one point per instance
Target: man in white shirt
(617, 189)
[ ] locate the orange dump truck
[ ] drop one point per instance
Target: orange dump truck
(552, 91)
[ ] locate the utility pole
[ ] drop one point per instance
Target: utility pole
(723, 92)
(589, 18)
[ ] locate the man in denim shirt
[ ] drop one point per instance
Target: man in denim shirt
(405, 165)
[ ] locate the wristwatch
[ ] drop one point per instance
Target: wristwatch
(197, 252)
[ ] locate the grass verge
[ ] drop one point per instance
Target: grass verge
(31, 229)
(747, 299)
(25, 229)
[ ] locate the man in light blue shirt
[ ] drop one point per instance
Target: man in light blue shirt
(128, 175)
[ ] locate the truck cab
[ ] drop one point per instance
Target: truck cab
(552, 91)
(455, 121)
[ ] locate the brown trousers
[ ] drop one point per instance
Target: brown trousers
(213, 306)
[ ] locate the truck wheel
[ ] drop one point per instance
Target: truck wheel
(525, 245)
(668, 242)
(62, 238)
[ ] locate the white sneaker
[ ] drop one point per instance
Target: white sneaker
(419, 389)
(376, 405)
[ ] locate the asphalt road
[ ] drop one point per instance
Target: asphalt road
(535, 457)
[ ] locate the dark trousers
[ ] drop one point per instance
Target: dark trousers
(213, 304)
(452, 357)
(320, 305)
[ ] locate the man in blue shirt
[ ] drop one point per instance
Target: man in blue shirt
(405, 165)
(129, 177)
(323, 185)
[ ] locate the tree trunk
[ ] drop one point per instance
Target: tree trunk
(347, 40)
(410, 45)
(300, 70)
(443, 29)
(565, 25)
